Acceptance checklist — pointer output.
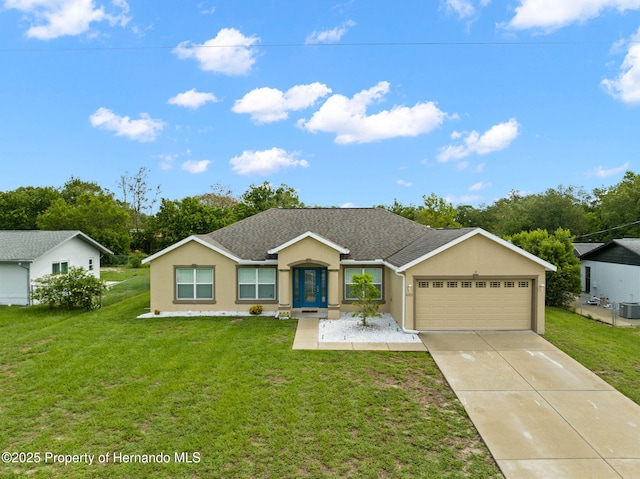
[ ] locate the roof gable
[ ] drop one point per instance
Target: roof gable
(617, 251)
(29, 245)
(457, 236)
(200, 239)
(309, 234)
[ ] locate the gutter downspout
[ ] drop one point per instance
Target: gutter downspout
(404, 303)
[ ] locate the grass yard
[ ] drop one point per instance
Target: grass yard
(231, 390)
(612, 353)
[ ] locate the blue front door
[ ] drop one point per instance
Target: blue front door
(310, 288)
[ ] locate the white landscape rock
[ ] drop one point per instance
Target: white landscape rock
(348, 329)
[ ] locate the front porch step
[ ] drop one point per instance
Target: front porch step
(320, 313)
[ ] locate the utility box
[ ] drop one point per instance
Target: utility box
(629, 310)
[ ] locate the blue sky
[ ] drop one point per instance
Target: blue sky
(351, 102)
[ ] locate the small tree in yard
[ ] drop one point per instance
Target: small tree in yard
(362, 287)
(75, 289)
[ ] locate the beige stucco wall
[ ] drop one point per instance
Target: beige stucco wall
(348, 307)
(486, 258)
(189, 254)
(477, 255)
(313, 253)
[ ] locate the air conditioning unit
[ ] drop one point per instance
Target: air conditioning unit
(629, 310)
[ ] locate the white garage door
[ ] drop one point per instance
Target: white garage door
(455, 305)
(14, 284)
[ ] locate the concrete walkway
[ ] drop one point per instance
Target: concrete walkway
(542, 414)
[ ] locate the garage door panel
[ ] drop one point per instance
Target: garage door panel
(495, 304)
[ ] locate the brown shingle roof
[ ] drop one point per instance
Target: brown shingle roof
(368, 233)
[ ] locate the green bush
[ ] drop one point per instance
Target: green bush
(256, 309)
(75, 289)
(135, 259)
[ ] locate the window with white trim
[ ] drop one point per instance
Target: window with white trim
(61, 267)
(257, 283)
(194, 284)
(348, 280)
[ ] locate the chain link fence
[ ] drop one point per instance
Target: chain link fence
(121, 290)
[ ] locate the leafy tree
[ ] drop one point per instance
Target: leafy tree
(75, 289)
(558, 208)
(75, 187)
(557, 249)
(362, 287)
(19, 209)
(220, 196)
(616, 207)
(97, 215)
(178, 219)
(263, 197)
(437, 213)
(410, 211)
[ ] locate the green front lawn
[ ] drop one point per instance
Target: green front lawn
(231, 390)
(612, 353)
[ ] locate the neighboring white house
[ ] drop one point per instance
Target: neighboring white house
(28, 255)
(612, 271)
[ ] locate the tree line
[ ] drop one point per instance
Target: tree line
(136, 218)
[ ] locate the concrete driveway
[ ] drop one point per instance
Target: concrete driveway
(542, 414)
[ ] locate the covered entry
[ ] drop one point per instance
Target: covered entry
(479, 304)
(310, 287)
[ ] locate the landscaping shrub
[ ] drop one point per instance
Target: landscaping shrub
(256, 309)
(367, 294)
(75, 289)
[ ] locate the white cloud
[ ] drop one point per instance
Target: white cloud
(55, 18)
(602, 172)
(143, 130)
(229, 53)
(462, 199)
(329, 36)
(347, 117)
(553, 14)
(480, 186)
(404, 183)
(462, 8)
(462, 165)
(167, 160)
(266, 105)
(497, 138)
(626, 86)
(265, 162)
(192, 99)
(196, 167)
(205, 9)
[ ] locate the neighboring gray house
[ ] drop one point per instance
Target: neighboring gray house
(580, 249)
(27, 255)
(612, 271)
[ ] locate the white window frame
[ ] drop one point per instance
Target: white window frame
(361, 270)
(62, 267)
(256, 283)
(194, 282)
